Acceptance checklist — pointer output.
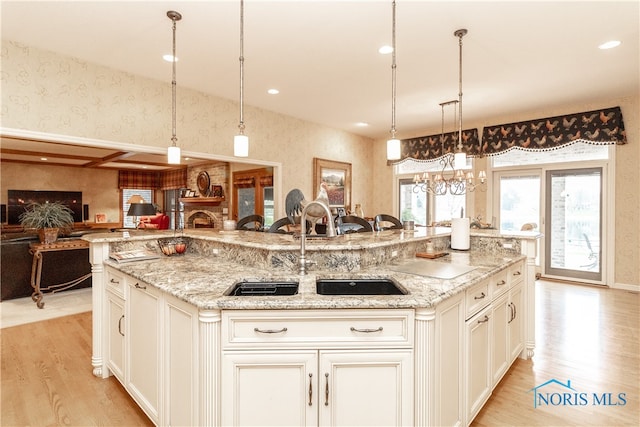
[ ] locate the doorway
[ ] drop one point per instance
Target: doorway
(573, 208)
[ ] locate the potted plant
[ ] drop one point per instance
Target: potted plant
(48, 218)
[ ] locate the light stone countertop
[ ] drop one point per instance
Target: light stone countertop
(203, 281)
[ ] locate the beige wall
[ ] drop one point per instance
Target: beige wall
(46, 92)
(99, 187)
(627, 177)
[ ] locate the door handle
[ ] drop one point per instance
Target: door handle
(310, 389)
(326, 389)
(120, 325)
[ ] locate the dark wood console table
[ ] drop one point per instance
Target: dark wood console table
(37, 249)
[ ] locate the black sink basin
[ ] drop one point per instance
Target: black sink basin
(275, 288)
(358, 287)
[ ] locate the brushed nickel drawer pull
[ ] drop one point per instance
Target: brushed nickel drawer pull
(310, 388)
(485, 320)
(482, 295)
(517, 273)
(114, 281)
(140, 287)
(366, 331)
(326, 389)
(120, 325)
(501, 282)
(270, 331)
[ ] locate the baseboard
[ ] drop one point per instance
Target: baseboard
(626, 287)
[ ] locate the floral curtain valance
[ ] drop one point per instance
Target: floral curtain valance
(596, 127)
(432, 147)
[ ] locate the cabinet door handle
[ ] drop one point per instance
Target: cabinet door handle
(510, 312)
(501, 282)
(120, 325)
(517, 273)
(114, 281)
(484, 320)
(326, 389)
(366, 331)
(482, 295)
(270, 331)
(515, 311)
(137, 285)
(310, 388)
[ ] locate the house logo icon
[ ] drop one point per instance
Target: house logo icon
(548, 398)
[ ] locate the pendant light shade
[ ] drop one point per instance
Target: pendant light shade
(241, 141)
(393, 144)
(241, 145)
(173, 152)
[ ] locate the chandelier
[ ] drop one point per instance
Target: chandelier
(451, 178)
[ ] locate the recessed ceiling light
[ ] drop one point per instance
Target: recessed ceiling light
(169, 58)
(610, 44)
(362, 124)
(385, 50)
(273, 91)
(44, 159)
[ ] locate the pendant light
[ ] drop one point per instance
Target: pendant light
(393, 144)
(241, 141)
(173, 152)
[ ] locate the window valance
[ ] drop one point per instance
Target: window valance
(137, 179)
(595, 127)
(432, 147)
(173, 179)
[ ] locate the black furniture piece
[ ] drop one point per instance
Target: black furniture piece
(280, 226)
(251, 222)
(57, 267)
(352, 224)
(387, 222)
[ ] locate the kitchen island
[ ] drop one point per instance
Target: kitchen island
(190, 353)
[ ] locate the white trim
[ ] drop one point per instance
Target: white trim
(626, 287)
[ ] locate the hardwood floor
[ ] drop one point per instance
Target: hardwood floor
(587, 335)
(47, 378)
(584, 334)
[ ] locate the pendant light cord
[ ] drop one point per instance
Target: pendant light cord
(460, 33)
(241, 124)
(174, 16)
(393, 72)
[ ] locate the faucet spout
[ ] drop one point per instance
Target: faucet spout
(331, 232)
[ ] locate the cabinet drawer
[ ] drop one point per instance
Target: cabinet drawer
(499, 283)
(477, 297)
(516, 274)
(115, 282)
(309, 328)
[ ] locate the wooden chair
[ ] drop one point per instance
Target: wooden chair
(382, 222)
(251, 222)
(353, 224)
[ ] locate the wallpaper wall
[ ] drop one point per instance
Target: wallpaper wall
(46, 92)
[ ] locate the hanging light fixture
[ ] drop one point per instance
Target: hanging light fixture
(451, 178)
(173, 152)
(241, 141)
(393, 144)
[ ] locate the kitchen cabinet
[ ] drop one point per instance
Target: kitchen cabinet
(500, 352)
(354, 367)
(143, 313)
(116, 324)
(516, 321)
(478, 358)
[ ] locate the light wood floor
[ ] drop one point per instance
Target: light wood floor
(588, 335)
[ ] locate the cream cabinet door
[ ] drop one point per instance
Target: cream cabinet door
(143, 346)
(269, 388)
(478, 358)
(516, 322)
(366, 388)
(500, 359)
(115, 335)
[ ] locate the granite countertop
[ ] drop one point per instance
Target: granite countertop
(203, 281)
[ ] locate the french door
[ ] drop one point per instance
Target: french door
(573, 230)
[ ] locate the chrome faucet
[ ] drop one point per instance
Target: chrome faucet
(331, 232)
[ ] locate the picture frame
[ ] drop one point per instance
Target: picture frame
(337, 176)
(101, 218)
(216, 191)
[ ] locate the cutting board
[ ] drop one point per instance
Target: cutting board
(431, 255)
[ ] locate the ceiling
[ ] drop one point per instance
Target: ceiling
(519, 57)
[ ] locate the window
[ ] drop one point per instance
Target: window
(174, 209)
(127, 193)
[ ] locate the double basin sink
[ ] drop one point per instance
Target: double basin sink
(380, 286)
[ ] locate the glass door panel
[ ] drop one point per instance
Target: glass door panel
(519, 202)
(246, 201)
(413, 204)
(573, 228)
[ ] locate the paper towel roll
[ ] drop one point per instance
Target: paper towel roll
(460, 234)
